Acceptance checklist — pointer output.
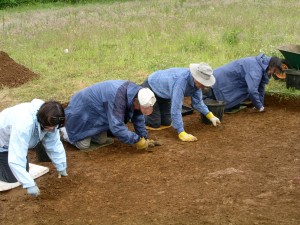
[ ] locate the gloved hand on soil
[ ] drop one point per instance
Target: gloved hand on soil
(33, 191)
(62, 173)
(215, 120)
(262, 109)
(152, 143)
(186, 137)
(142, 144)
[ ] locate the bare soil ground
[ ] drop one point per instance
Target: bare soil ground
(245, 172)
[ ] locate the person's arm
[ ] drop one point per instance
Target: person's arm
(116, 123)
(121, 131)
(17, 155)
(56, 151)
(138, 121)
(177, 97)
(253, 82)
(261, 91)
(261, 88)
(176, 107)
(198, 104)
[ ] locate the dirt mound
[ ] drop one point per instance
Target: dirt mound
(13, 74)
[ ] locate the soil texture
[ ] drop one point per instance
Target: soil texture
(246, 171)
(13, 74)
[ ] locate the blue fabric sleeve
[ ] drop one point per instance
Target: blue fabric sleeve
(261, 91)
(138, 121)
(17, 154)
(176, 104)
(117, 125)
(55, 150)
(253, 82)
(198, 103)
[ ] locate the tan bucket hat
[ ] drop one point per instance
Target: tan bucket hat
(203, 73)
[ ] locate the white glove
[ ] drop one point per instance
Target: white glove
(215, 121)
(33, 191)
(62, 173)
(262, 109)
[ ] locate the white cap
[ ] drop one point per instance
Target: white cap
(146, 97)
(203, 73)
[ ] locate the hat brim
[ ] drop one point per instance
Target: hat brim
(195, 73)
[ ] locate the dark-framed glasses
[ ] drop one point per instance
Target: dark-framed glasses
(59, 121)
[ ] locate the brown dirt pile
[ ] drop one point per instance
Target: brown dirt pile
(13, 74)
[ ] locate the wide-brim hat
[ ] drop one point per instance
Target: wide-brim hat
(203, 73)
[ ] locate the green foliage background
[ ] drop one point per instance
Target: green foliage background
(131, 39)
(14, 3)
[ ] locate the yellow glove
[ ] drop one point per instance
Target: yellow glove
(186, 137)
(141, 144)
(215, 120)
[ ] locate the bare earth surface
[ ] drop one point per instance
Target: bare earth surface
(245, 172)
(12, 74)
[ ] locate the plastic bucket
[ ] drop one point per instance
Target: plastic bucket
(292, 78)
(185, 110)
(216, 107)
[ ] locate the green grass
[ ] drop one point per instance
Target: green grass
(278, 87)
(130, 40)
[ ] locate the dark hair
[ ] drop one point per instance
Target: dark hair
(275, 62)
(51, 114)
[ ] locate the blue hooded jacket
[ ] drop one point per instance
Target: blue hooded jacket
(105, 106)
(175, 84)
(242, 79)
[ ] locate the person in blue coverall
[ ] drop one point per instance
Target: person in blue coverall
(108, 106)
(244, 78)
(22, 127)
(170, 86)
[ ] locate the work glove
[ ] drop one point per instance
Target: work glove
(215, 120)
(262, 109)
(142, 144)
(152, 143)
(62, 173)
(186, 137)
(33, 191)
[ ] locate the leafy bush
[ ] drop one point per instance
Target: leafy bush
(14, 3)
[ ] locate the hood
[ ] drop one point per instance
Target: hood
(132, 91)
(263, 61)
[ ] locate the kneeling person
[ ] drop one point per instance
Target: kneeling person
(22, 127)
(170, 86)
(108, 106)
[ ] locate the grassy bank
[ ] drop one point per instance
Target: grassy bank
(130, 40)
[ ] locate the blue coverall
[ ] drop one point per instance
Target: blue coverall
(241, 79)
(102, 107)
